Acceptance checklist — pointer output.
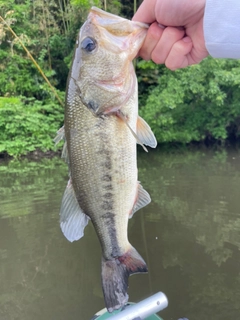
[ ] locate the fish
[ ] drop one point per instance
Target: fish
(101, 130)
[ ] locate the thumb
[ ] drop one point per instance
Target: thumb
(146, 12)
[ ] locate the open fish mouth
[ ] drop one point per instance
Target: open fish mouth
(104, 19)
(115, 30)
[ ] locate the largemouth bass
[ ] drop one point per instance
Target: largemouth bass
(101, 129)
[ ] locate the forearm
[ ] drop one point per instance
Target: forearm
(222, 28)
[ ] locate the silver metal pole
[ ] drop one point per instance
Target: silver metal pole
(144, 308)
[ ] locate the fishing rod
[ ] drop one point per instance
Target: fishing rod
(145, 309)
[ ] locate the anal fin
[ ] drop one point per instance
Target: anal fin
(72, 219)
(143, 199)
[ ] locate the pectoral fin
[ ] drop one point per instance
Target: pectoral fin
(65, 153)
(61, 136)
(143, 199)
(72, 219)
(123, 117)
(145, 134)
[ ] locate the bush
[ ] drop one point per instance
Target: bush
(201, 102)
(28, 124)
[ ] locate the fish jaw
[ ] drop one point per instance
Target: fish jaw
(119, 34)
(102, 68)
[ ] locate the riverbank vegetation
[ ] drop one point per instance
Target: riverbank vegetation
(196, 104)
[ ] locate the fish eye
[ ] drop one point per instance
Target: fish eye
(88, 44)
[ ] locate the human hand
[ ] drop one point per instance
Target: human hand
(175, 36)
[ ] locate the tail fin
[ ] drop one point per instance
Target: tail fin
(115, 275)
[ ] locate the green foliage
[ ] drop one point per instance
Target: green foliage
(48, 29)
(19, 76)
(28, 124)
(199, 103)
(193, 104)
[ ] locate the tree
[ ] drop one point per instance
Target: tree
(199, 103)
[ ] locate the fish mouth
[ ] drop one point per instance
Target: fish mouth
(118, 34)
(106, 18)
(111, 84)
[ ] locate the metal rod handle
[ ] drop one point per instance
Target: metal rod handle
(144, 308)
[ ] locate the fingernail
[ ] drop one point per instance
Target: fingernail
(187, 39)
(180, 28)
(161, 26)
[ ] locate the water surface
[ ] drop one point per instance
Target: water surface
(189, 236)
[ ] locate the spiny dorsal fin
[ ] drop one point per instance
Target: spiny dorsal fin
(145, 134)
(72, 219)
(143, 199)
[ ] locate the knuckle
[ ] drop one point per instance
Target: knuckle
(154, 32)
(145, 56)
(157, 60)
(144, 53)
(174, 33)
(178, 49)
(174, 64)
(170, 64)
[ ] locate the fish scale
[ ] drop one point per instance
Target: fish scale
(88, 169)
(101, 129)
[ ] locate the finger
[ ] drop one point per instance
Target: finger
(178, 57)
(170, 36)
(153, 35)
(146, 12)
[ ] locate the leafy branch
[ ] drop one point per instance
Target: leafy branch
(33, 60)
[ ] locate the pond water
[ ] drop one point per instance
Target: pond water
(189, 236)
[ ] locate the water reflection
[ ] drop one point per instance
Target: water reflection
(189, 236)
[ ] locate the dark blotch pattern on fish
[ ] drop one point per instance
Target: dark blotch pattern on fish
(107, 177)
(107, 205)
(93, 106)
(115, 251)
(105, 151)
(107, 164)
(108, 187)
(109, 218)
(108, 195)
